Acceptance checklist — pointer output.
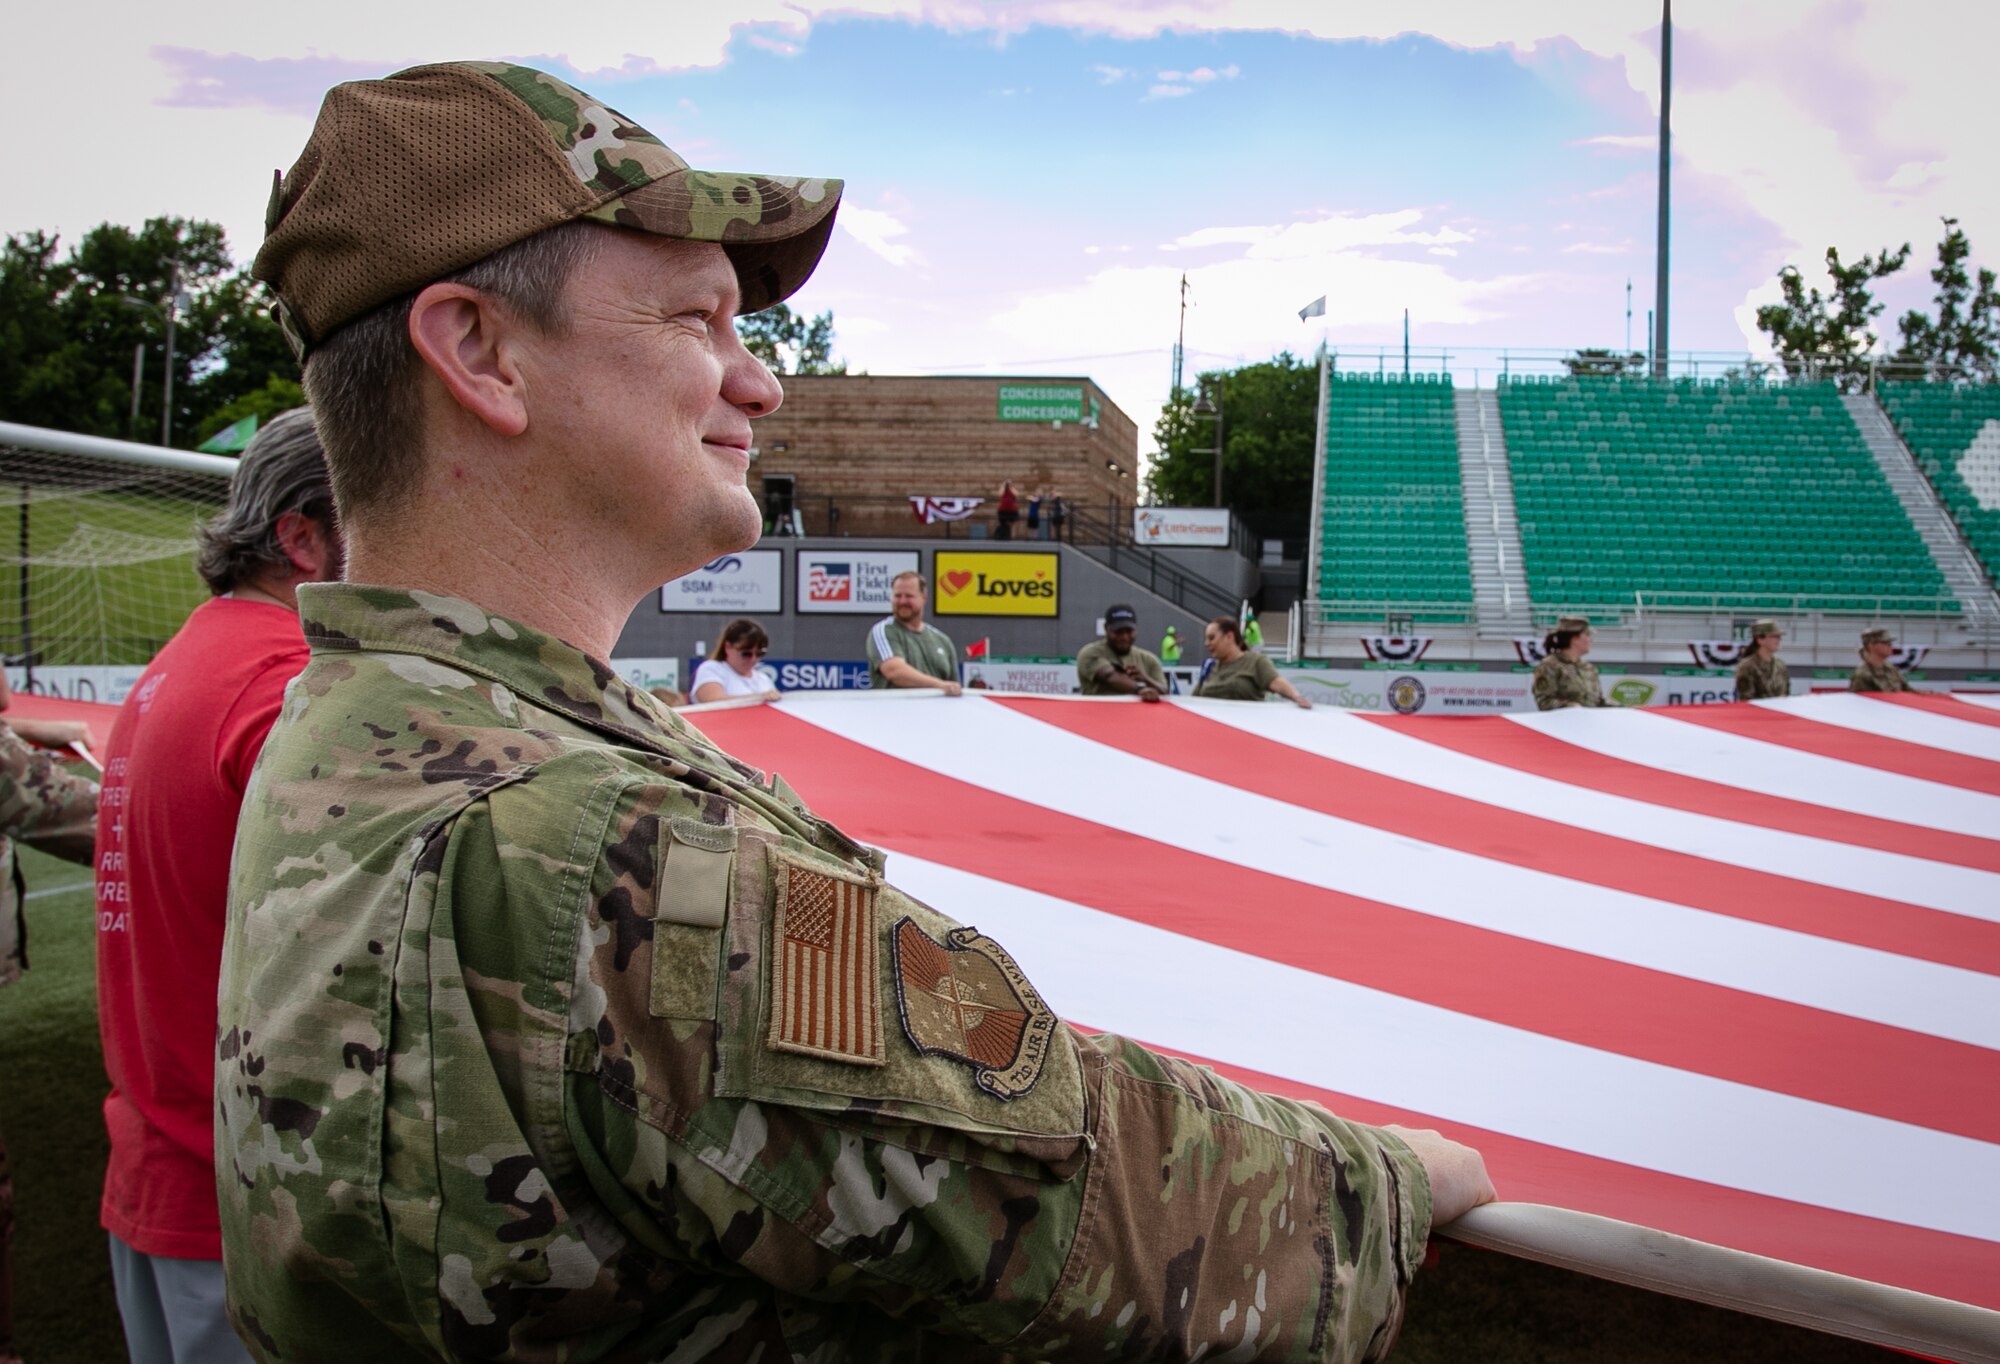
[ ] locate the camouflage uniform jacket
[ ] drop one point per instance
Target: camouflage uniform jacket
(1873, 677)
(1559, 682)
(1757, 679)
(525, 1053)
(46, 807)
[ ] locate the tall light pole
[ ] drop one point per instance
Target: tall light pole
(1209, 404)
(167, 312)
(1666, 155)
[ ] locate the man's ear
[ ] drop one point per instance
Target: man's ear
(312, 547)
(467, 341)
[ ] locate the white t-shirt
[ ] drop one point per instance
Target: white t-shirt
(733, 683)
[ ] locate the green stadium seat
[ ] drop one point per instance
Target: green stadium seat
(1630, 485)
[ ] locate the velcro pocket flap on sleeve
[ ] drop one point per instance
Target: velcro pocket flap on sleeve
(697, 863)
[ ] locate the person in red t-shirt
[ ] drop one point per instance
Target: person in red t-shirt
(180, 755)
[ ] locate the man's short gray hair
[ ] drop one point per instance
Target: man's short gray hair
(364, 379)
(283, 471)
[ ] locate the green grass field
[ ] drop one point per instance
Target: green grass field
(1472, 1306)
(110, 613)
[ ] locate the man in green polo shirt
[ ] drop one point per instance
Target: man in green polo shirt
(903, 651)
(1116, 665)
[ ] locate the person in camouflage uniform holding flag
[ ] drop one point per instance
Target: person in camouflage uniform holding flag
(1562, 678)
(551, 1032)
(1876, 672)
(1760, 673)
(50, 809)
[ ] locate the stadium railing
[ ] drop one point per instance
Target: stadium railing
(1651, 620)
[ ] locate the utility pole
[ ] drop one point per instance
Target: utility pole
(1666, 156)
(1180, 343)
(1406, 343)
(1628, 314)
(138, 378)
(167, 383)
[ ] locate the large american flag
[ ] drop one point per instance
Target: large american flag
(1731, 972)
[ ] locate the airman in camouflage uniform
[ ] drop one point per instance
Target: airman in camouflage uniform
(1761, 673)
(1563, 679)
(551, 1032)
(47, 808)
(1876, 672)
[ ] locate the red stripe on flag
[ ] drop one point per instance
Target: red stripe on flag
(1592, 1001)
(1935, 1262)
(1848, 745)
(1188, 742)
(1949, 707)
(1530, 750)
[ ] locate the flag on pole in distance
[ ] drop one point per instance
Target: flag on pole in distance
(979, 648)
(1316, 308)
(1730, 971)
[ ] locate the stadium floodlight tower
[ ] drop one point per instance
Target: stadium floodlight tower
(1666, 154)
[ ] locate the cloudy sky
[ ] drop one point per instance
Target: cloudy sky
(1027, 182)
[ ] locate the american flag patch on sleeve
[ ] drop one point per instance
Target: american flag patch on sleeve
(826, 989)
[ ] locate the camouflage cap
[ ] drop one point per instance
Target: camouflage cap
(412, 177)
(1878, 635)
(1573, 624)
(1765, 627)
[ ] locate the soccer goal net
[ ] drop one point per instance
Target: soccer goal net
(97, 541)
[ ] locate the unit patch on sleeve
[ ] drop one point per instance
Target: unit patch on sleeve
(826, 987)
(966, 998)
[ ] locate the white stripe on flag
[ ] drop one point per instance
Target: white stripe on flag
(981, 743)
(1990, 700)
(1902, 723)
(1129, 978)
(1892, 876)
(1668, 745)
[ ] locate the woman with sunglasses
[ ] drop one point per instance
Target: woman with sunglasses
(731, 670)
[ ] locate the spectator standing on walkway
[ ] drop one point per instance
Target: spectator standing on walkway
(1761, 673)
(1562, 678)
(176, 767)
(47, 808)
(1058, 513)
(1876, 672)
(1170, 647)
(731, 668)
(1237, 673)
(1116, 665)
(1035, 513)
(904, 650)
(1006, 512)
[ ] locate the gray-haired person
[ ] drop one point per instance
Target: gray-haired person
(180, 755)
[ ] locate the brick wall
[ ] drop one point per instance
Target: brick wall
(863, 443)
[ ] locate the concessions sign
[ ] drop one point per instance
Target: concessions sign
(858, 583)
(995, 584)
(1207, 527)
(748, 583)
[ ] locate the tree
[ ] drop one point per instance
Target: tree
(1963, 340)
(1590, 361)
(69, 325)
(278, 395)
(1821, 338)
(791, 343)
(1269, 415)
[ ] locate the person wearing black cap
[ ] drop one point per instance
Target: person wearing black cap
(1116, 665)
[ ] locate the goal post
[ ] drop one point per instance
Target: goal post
(97, 544)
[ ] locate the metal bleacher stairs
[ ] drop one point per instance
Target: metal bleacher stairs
(1492, 534)
(1966, 578)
